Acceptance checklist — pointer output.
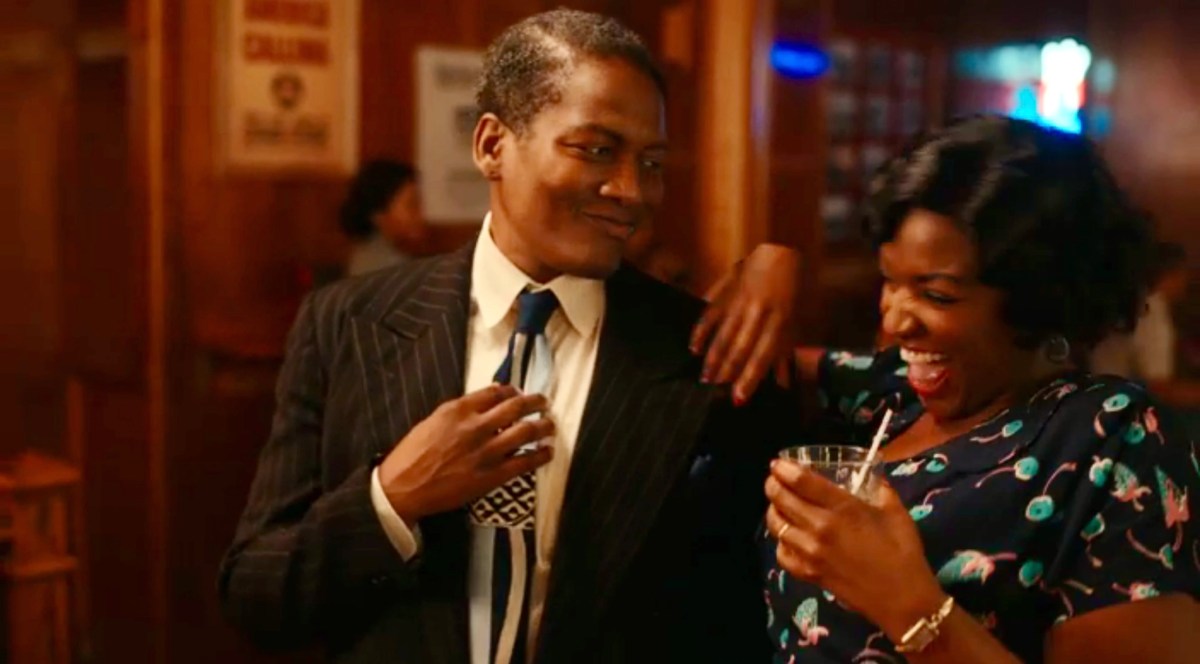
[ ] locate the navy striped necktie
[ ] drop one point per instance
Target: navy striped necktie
(509, 509)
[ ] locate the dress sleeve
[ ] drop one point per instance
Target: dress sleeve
(1128, 534)
(853, 389)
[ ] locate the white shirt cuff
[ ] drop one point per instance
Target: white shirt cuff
(407, 541)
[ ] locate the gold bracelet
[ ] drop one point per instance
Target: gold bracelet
(926, 630)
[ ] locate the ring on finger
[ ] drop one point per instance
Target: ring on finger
(782, 530)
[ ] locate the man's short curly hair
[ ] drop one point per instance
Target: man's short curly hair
(1053, 230)
(525, 66)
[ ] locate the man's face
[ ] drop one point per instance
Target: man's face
(571, 189)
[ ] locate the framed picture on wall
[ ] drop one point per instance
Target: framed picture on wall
(452, 188)
(288, 86)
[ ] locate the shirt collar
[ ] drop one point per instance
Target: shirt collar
(496, 283)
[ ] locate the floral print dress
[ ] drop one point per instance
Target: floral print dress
(1071, 502)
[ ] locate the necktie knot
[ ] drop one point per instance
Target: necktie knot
(534, 310)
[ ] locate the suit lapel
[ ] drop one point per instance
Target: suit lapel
(414, 355)
(418, 347)
(644, 412)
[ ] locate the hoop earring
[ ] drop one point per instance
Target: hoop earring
(1058, 349)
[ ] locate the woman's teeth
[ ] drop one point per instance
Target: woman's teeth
(921, 357)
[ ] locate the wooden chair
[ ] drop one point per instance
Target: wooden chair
(38, 567)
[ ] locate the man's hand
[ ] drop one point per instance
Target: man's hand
(463, 450)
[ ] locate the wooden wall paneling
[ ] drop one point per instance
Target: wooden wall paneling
(104, 241)
(153, 104)
(33, 94)
(1155, 133)
(927, 18)
(72, 308)
(76, 454)
(46, 14)
(981, 22)
(797, 157)
(230, 411)
(102, 253)
(676, 223)
(118, 516)
(730, 189)
(101, 14)
(143, 111)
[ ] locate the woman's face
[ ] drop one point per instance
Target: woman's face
(401, 222)
(961, 355)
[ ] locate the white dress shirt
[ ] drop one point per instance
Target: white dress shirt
(574, 334)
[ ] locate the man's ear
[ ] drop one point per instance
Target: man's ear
(491, 137)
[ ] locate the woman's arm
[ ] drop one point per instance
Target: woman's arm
(749, 327)
(1164, 630)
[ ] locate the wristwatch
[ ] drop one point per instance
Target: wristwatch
(925, 631)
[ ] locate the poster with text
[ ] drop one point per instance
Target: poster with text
(452, 188)
(288, 98)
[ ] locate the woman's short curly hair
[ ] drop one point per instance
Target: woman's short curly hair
(1053, 230)
(371, 192)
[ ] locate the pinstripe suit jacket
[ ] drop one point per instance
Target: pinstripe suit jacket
(655, 561)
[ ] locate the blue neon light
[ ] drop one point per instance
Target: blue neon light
(1025, 104)
(799, 60)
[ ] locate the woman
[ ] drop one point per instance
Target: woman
(382, 215)
(1035, 512)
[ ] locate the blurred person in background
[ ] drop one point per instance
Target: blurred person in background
(1149, 353)
(382, 216)
(1032, 511)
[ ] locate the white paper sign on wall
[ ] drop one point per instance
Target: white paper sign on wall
(452, 189)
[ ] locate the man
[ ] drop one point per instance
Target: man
(610, 520)
(1148, 353)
